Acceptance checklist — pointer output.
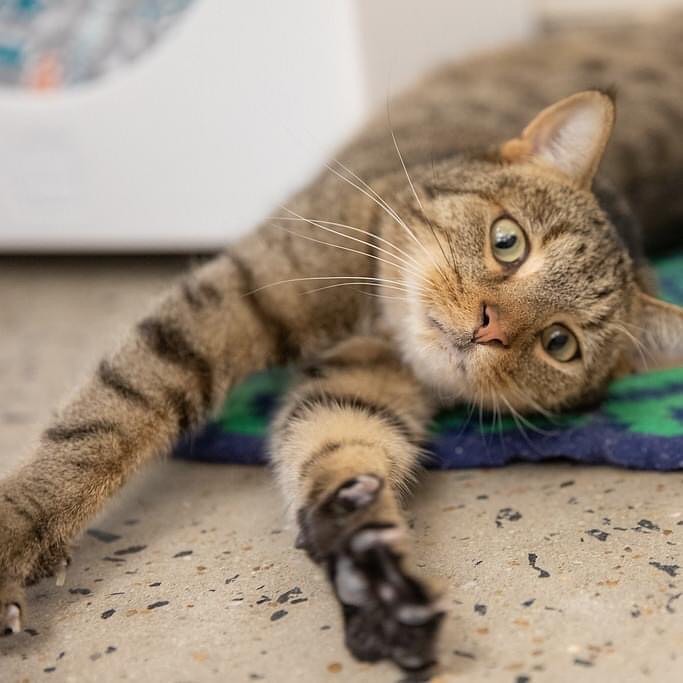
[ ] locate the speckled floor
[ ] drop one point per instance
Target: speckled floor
(552, 573)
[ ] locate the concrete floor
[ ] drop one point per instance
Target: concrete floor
(198, 580)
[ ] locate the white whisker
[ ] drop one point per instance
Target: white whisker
(385, 296)
(380, 202)
(355, 229)
(516, 415)
(548, 415)
(356, 239)
(417, 198)
(349, 284)
(325, 277)
(338, 246)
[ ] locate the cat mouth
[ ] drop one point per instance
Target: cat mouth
(450, 336)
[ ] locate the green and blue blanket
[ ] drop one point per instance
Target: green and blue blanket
(639, 425)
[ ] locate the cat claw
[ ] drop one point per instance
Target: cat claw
(356, 493)
(10, 619)
(388, 614)
(321, 526)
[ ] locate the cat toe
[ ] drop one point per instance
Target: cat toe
(325, 524)
(12, 611)
(10, 619)
(354, 494)
(388, 614)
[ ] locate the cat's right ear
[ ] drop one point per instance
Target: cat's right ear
(570, 136)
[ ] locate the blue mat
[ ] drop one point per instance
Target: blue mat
(639, 425)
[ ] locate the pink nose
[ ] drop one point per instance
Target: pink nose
(491, 329)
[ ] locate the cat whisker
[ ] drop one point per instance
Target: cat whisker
(470, 412)
(323, 277)
(420, 205)
(516, 415)
(372, 194)
(519, 423)
(385, 296)
(357, 284)
(343, 248)
(417, 198)
(354, 239)
(499, 412)
(369, 234)
(491, 402)
(495, 416)
(480, 402)
(537, 407)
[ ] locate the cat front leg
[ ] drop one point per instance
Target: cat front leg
(346, 447)
(173, 369)
(215, 326)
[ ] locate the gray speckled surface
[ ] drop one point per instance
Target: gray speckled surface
(201, 582)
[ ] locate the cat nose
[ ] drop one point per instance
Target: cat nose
(491, 328)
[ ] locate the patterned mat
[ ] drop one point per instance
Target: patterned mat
(639, 425)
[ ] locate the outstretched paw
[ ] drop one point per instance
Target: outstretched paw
(11, 609)
(323, 525)
(388, 614)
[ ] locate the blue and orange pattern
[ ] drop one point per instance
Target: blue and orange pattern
(639, 425)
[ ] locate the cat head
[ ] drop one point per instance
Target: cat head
(522, 295)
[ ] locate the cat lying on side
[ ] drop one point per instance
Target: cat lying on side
(466, 254)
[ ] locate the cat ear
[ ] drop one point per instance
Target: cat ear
(661, 334)
(570, 136)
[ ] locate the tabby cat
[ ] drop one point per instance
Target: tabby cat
(464, 253)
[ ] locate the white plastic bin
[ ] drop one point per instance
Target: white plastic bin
(237, 106)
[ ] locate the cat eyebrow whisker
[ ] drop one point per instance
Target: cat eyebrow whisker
(372, 194)
(418, 200)
(322, 226)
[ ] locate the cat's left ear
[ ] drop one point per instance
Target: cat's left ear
(660, 331)
(570, 136)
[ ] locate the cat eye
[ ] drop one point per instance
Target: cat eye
(508, 241)
(560, 343)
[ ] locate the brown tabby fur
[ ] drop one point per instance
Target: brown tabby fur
(347, 440)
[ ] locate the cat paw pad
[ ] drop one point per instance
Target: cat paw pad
(388, 614)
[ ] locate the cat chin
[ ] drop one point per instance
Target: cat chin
(450, 372)
(440, 368)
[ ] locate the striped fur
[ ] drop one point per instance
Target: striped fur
(346, 443)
